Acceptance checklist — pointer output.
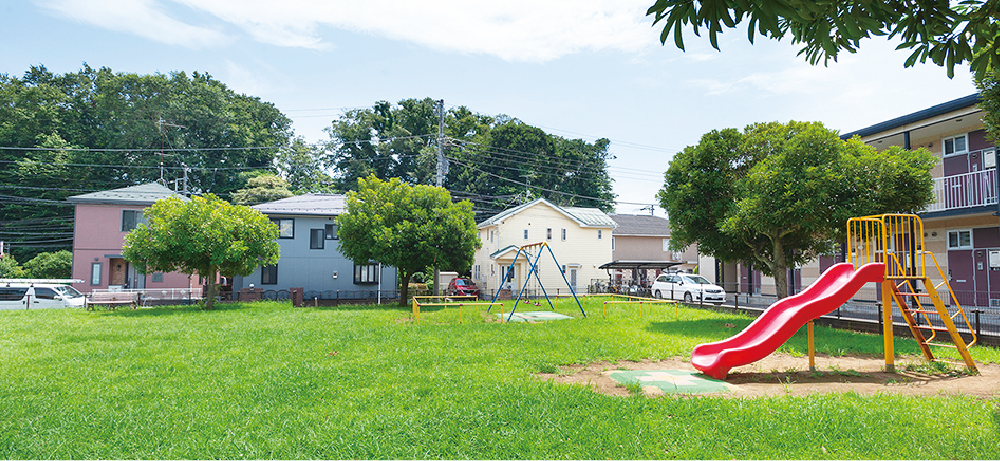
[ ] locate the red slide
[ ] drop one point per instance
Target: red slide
(780, 321)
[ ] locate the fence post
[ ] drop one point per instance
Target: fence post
(336, 300)
(878, 307)
(979, 330)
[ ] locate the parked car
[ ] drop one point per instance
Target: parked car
(30, 295)
(687, 287)
(462, 287)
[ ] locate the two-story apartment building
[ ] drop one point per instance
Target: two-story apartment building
(310, 252)
(102, 219)
(580, 239)
(961, 225)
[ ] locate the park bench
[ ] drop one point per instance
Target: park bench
(111, 299)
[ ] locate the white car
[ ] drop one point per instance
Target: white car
(30, 295)
(690, 288)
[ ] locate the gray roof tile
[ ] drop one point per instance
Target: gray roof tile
(585, 217)
(632, 224)
(144, 194)
(306, 204)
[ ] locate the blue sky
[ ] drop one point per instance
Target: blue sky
(576, 68)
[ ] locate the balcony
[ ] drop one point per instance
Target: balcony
(968, 190)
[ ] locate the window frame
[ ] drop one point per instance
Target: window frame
(944, 145)
(157, 277)
(330, 231)
(548, 233)
(278, 221)
(526, 234)
(600, 235)
(317, 238)
(366, 274)
(564, 234)
(269, 274)
(96, 269)
(959, 245)
(137, 218)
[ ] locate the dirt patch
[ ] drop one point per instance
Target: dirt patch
(781, 374)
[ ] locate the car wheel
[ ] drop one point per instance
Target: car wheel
(688, 298)
(657, 295)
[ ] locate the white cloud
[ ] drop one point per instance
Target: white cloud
(514, 30)
(139, 17)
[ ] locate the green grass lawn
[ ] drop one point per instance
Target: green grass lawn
(266, 380)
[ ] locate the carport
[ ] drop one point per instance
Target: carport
(639, 281)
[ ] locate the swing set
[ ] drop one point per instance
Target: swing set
(534, 270)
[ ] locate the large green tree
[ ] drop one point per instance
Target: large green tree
(206, 235)
(262, 189)
(96, 129)
(494, 160)
(948, 33)
(777, 195)
(407, 227)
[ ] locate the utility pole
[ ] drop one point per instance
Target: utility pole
(442, 169)
(650, 208)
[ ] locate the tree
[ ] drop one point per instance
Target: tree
(97, 129)
(407, 227)
(262, 189)
(494, 160)
(302, 166)
(777, 195)
(206, 235)
(50, 265)
(947, 33)
(9, 268)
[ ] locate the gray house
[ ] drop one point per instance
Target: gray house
(310, 253)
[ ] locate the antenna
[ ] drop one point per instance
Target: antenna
(650, 208)
(160, 124)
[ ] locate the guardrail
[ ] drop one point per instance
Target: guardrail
(448, 301)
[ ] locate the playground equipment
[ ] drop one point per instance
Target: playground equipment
(448, 301)
(639, 300)
(885, 249)
(534, 271)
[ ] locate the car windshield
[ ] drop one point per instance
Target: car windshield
(68, 292)
(697, 279)
(461, 282)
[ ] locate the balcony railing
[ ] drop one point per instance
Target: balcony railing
(967, 190)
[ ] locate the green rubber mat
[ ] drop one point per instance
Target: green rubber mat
(671, 381)
(534, 316)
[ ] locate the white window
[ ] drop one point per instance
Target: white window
(95, 274)
(955, 145)
(599, 234)
(286, 227)
(612, 243)
(564, 235)
(131, 219)
(959, 239)
(666, 244)
(548, 234)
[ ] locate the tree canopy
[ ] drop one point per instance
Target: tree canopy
(97, 129)
(407, 227)
(262, 189)
(946, 33)
(206, 235)
(494, 160)
(777, 195)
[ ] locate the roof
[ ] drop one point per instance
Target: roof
(508, 248)
(144, 194)
(933, 111)
(641, 225)
(306, 204)
(584, 217)
(640, 265)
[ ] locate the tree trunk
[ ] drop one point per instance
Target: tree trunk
(404, 277)
(210, 283)
(780, 268)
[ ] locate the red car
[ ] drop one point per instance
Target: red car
(462, 287)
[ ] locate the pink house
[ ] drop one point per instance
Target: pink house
(102, 221)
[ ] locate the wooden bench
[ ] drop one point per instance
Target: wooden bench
(111, 299)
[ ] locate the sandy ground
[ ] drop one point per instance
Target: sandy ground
(780, 374)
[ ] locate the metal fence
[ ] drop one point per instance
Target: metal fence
(332, 297)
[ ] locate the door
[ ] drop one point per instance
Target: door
(572, 278)
(45, 298)
(961, 274)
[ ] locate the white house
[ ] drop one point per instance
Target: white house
(580, 239)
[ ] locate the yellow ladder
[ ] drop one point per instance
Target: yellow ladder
(903, 289)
